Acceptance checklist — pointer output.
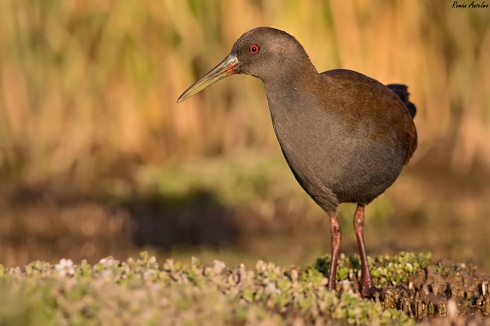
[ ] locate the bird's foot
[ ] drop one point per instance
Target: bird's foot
(369, 291)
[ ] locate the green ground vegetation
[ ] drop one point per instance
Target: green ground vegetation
(144, 291)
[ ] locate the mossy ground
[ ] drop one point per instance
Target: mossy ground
(144, 291)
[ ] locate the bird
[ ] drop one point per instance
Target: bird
(344, 135)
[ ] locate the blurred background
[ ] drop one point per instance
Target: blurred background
(97, 159)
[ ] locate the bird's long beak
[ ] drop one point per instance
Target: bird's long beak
(229, 66)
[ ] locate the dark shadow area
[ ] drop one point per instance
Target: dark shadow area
(43, 222)
(197, 219)
(40, 222)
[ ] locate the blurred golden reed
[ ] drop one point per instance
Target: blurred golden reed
(85, 85)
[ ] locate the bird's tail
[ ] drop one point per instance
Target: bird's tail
(402, 91)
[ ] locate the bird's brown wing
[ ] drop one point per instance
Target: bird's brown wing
(375, 102)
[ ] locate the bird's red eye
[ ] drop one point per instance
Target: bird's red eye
(253, 49)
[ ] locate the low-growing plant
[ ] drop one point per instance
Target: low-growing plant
(143, 291)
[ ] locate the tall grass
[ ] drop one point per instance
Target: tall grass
(85, 85)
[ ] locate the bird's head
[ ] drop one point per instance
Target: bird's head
(263, 52)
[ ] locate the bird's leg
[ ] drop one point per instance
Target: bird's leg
(367, 287)
(335, 237)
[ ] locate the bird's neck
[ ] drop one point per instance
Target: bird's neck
(292, 85)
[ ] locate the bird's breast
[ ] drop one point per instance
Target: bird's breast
(332, 161)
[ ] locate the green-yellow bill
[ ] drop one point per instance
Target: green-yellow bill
(229, 66)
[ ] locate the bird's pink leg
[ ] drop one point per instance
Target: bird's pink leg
(335, 237)
(367, 287)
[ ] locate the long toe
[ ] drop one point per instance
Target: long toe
(369, 291)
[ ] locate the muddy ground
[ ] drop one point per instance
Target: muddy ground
(443, 292)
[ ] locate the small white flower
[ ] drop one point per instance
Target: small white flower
(218, 266)
(65, 267)
(109, 261)
(345, 282)
(219, 263)
(271, 286)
